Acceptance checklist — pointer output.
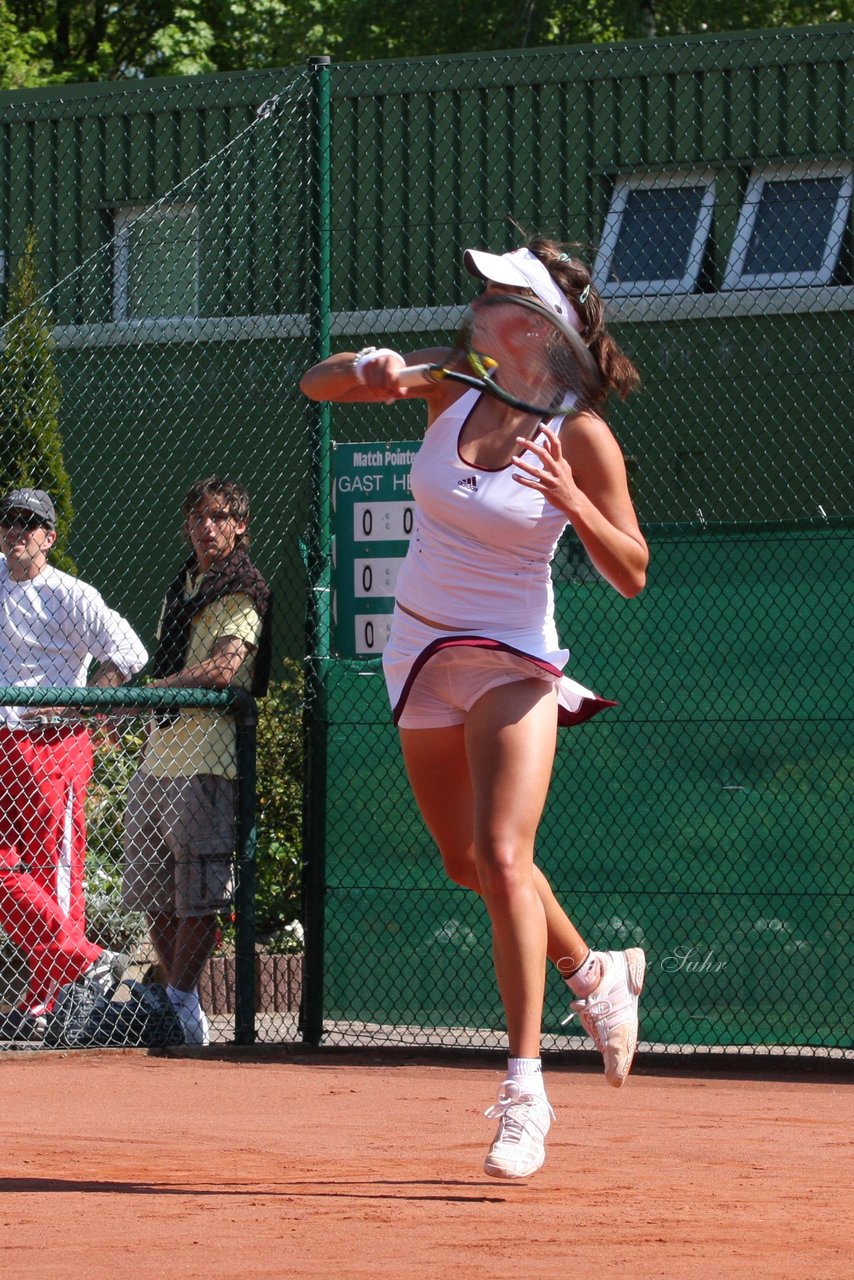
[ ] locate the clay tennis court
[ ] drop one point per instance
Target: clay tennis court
(277, 1165)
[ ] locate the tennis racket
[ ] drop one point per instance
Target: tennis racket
(524, 354)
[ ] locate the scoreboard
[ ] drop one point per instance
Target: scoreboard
(374, 514)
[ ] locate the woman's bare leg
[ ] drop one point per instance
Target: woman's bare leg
(438, 773)
(438, 767)
(481, 789)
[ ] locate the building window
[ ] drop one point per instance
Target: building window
(791, 227)
(655, 234)
(156, 262)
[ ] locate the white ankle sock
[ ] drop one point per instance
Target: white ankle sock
(587, 976)
(528, 1073)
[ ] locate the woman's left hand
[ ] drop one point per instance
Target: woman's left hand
(554, 480)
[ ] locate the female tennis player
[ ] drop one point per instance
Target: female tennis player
(474, 666)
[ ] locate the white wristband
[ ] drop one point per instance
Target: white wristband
(365, 356)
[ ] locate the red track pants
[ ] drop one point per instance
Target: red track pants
(43, 778)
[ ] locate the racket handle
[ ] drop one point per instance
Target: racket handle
(416, 375)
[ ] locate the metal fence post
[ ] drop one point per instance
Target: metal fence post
(318, 622)
(246, 720)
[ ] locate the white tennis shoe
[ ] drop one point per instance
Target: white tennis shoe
(196, 1026)
(191, 1016)
(609, 1014)
(523, 1122)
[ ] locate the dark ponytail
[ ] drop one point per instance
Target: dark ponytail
(572, 276)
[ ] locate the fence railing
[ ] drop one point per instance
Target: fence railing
(114, 721)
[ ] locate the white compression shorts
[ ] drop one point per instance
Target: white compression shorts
(434, 679)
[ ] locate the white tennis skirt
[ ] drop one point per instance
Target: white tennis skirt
(411, 645)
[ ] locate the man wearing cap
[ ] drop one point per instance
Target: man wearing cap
(53, 628)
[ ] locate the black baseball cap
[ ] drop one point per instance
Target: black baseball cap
(34, 500)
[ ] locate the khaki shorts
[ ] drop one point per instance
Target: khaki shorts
(179, 838)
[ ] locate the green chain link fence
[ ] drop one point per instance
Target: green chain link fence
(117, 724)
(199, 243)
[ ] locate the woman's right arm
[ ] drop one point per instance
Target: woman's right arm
(367, 377)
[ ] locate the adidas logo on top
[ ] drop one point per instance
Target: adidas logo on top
(470, 482)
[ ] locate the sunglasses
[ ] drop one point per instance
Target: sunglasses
(28, 522)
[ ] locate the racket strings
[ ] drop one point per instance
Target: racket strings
(526, 355)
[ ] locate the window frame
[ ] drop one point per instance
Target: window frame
(124, 218)
(735, 276)
(624, 185)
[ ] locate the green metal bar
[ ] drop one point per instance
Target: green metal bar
(319, 619)
(763, 528)
(322, 325)
(246, 719)
(145, 699)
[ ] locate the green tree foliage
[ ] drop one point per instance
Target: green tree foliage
(280, 779)
(75, 40)
(24, 59)
(30, 442)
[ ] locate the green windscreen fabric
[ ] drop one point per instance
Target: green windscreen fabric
(698, 819)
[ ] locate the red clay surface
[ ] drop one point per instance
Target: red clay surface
(175, 1168)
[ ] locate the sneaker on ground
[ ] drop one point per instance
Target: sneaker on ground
(21, 1025)
(523, 1122)
(609, 1014)
(194, 1023)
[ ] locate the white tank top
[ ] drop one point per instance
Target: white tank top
(481, 549)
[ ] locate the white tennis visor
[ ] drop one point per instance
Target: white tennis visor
(523, 270)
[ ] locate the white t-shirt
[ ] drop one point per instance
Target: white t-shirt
(52, 628)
